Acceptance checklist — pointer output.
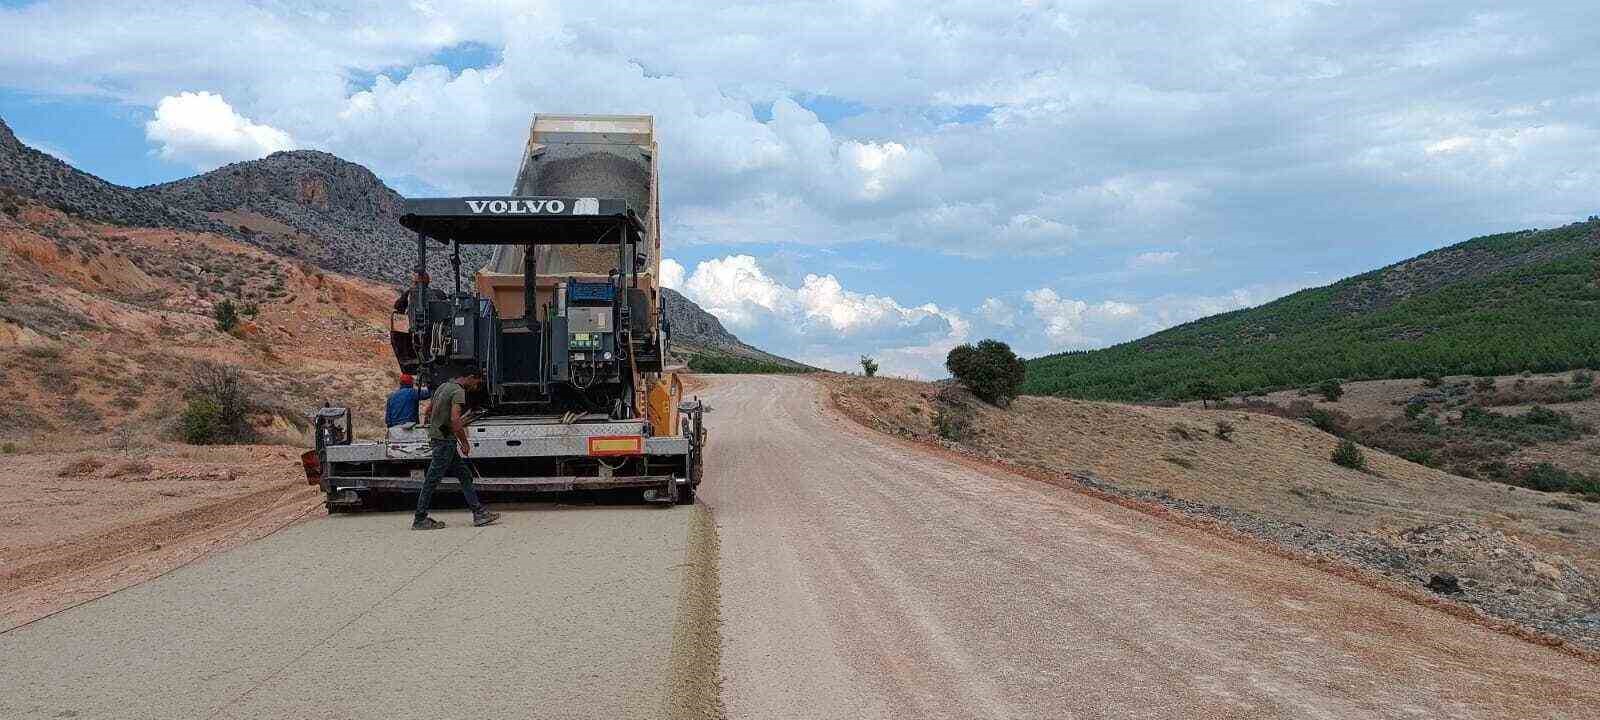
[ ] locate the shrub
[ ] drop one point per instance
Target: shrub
(989, 369)
(1432, 380)
(1496, 470)
(1330, 390)
(1349, 455)
(250, 310)
(218, 409)
(869, 366)
(1423, 456)
(42, 352)
(1545, 477)
(1538, 424)
(1484, 384)
(226, 315)
(1582, 379)
(1225, 430)
(953, 423)
(8, 449)
(1324, 421)
(1414, 410)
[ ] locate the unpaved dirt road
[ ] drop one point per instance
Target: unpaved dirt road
(865, 578)
(557, 612)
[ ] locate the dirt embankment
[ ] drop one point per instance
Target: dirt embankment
(101, 327)
(1521, 555)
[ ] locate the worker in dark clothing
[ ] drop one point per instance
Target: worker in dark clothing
(400, 415)
(447, 433)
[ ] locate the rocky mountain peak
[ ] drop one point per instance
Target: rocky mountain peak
(312, 204)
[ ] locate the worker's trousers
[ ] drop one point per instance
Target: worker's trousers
(446, 461)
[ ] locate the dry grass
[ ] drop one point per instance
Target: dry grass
(132, 468)
(82, 467)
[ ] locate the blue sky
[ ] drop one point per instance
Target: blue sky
(892, 178)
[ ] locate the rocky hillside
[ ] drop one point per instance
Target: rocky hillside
(29, 173)
(103, 326)
(313, 205)
(1494, 305)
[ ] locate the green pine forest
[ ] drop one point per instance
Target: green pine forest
(1500, 304)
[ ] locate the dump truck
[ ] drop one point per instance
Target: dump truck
(565, 324)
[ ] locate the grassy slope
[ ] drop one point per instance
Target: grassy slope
(1492, 305)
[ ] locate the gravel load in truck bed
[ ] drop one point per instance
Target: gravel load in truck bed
(581, 170)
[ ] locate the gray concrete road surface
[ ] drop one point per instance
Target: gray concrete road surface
(555, 613)
(866, 578)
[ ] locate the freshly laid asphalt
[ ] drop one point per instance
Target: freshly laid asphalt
(556, 612)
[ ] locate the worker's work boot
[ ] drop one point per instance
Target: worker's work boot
(426, 523)
(484, 517)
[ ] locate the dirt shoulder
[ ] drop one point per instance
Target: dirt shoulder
(76, 526)
(1519, 555)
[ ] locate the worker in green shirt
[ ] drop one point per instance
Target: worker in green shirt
(447, 434)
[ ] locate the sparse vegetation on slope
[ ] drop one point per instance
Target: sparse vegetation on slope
(720, 364)
(1494, 305)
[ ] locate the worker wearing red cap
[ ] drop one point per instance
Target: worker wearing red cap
(401, 413)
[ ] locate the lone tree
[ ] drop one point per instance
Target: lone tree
(1330, 390)
(869, 365)
(989, 369)
(1206, 392)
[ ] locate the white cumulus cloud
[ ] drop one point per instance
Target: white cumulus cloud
(821, 321)
(1076, 324)
(998, 312)
(671, 274)
(203, 130)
